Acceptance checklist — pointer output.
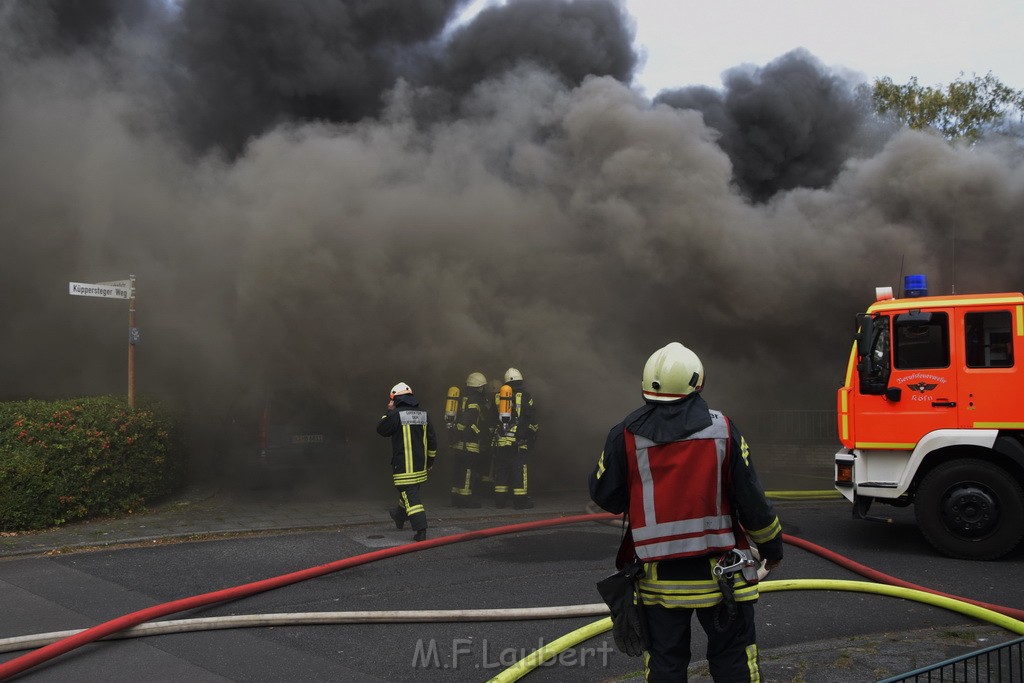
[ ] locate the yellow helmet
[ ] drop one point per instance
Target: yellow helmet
(399, 389)
(476, 379)
(671, 373)
(513, 375)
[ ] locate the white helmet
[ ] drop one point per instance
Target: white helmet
(475, 380)
(399, 389)
(513, 375)
(672, 372)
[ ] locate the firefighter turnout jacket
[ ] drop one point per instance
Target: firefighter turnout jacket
(683, 474)
(413, 441)
(471, 426)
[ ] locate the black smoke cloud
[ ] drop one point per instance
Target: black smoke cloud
(559, 223)
(244, 66)
(792, 123)
(64, 26)
(571, 40)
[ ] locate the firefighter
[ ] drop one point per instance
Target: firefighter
(470, 435)
(413, 448)
(515, 434)
(683, 475)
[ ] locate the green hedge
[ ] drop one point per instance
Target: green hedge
(67, 460)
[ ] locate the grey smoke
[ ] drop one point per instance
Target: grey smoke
(560, 223)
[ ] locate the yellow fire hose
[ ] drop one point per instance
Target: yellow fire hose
(555, 647)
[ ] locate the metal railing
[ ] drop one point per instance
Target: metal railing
(996, 663)
(788, 426)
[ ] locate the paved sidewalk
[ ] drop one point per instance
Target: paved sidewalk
(209, 510)
(205, 509)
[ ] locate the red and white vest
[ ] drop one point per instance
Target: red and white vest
(678, 505)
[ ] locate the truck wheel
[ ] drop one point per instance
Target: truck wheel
(970, 509)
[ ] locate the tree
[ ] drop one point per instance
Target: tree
(964, 109)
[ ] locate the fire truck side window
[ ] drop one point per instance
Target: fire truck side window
(988, 339)
(921, 340)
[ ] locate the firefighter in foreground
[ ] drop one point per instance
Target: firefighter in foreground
(413, 448)
(470, 433)
(683, 475)
(514, 436)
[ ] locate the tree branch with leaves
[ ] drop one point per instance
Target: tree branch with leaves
(963, 110)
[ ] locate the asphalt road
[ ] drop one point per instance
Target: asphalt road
(557, 566)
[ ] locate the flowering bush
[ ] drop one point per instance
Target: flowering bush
(72, 459)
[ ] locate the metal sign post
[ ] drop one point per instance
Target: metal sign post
(133, 337)
(117, 289)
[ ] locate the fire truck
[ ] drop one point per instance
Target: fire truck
(931, 414)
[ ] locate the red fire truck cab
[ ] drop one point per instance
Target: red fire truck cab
(932, 414)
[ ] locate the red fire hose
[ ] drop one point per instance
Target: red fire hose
(879, 577)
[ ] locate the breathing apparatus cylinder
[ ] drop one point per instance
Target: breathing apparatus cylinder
(505, 408)
(451, 407)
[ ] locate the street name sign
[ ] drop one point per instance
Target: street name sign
(100, 290)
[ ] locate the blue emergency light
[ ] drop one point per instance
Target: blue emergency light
(915, 286)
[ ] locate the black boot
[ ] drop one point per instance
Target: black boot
(398, 516)
(522, 503)
(421, 535)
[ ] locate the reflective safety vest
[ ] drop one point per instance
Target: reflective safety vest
(678, 506)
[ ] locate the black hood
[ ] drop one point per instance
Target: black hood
(406, 400)
(664, 422)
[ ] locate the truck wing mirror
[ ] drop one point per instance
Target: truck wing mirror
(863, 334)
(872, 355)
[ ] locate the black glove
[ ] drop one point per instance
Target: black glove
(628, 632)
(629, 628)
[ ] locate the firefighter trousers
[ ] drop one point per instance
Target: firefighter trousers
(410, 507)
(464, 474)
(510, 474)
(732, 648)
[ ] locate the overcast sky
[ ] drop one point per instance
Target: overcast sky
(691, 42)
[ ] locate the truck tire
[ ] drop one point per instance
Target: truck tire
(970, 509)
